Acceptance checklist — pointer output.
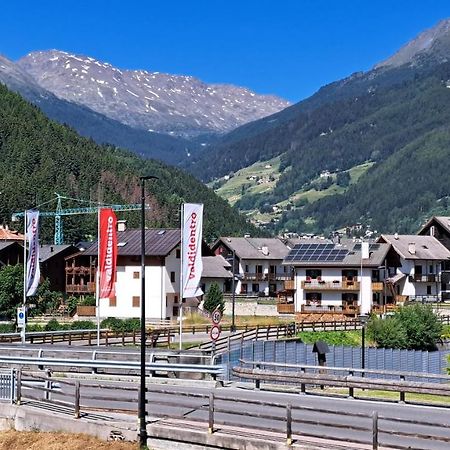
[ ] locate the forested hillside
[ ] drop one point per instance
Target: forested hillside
(368, 120)
(40, 157)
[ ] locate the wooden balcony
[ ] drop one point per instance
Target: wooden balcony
(336, 285)
(278, 276)
(377, 286)
(249, 276)
(285, 308)
(80, 288)
(289, 285)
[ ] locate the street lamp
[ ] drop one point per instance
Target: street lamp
(141, 405)
(233, 296)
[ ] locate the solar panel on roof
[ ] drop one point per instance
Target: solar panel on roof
(316, 253)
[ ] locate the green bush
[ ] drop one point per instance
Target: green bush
(7, 328)
(88, 301)
(83, 325)
(350, 338)
(126, 325)
(415, 327)
(52, 325)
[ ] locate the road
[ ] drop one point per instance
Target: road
(234, 407)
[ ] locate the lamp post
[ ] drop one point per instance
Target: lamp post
(233, 296)
(141, 405)
(363, 319)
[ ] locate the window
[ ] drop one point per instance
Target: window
(428, 290)
(136, 275)
(259, 269)
(431, 269)
(255, 287)
(313, 274)
(313, 298)
(178, 253)
(273, 270)
(175, 299)
(244, 288)
(246, 268)
(113, 301)
(418, 270)
(172, 277)
(136, 301)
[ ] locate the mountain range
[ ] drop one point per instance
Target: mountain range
(155, 115)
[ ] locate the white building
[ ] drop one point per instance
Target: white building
(162, 275)
(417, 273)
(256, 262)
(334, 278)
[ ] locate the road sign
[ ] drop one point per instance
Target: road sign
(216, 317)
(214, 333)
(21, 317)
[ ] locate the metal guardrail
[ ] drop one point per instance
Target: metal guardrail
(95, 364)
(304, 375)
(283, 419)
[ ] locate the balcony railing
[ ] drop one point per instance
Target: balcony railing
(322, 309)
(249, 276)
(431, 278)
(336, 285)
(285, 308)
(289, 285)
(377, 286)
(81, 288)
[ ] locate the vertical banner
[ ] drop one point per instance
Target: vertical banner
(33, 273)
(191, 249)
(107, 253)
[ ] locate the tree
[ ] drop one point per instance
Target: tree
(11, 290)
(414, 327)
(214, 299)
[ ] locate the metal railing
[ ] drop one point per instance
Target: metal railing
(351, 379)
(283, 420)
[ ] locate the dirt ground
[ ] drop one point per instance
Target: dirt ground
(15, 440)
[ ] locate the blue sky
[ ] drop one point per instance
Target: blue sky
(287, 47)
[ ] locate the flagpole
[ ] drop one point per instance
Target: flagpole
(23, 330)
(97, 284)
(181, 275)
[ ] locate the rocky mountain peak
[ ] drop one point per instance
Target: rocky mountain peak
(173, 104)
(434, 41)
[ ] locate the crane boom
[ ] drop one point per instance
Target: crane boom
(60, 212)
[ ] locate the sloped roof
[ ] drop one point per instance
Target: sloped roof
(350, 256)
(6, 244)
(158, 242)
(444, 221)
(215, 267)
(426, 247)
(10, 235)
(252, 248)
(47, 252)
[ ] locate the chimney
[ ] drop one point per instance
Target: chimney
(265, 250)
(396, 236)
(51, 249)
(412, 248)
(121, 225)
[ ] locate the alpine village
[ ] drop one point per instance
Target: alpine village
(235, 270)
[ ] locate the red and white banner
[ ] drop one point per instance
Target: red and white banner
(33, 271)
(191, 249)
(107, 253)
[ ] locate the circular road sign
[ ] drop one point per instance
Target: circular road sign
(21, 315)
(214, 333)
(216, 317)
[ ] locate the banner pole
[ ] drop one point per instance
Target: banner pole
(23, 330)
(97, 284)
(180, 315)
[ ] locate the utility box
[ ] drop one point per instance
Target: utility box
(321, 348)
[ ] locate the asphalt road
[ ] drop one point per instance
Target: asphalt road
(234, 407)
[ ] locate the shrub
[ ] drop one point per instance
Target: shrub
(414, 327)
(83, 325)
(52, 325)
(7, 328)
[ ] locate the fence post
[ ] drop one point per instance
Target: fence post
(48, 384)
(257, 381)
(77, 400)
(134, 337)
(350, 389)
(211, 414)
(89, 339)
(288, 424)
(302, 385)
(375, 430)
(402, 393)
(70, 338)
(19, 387)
